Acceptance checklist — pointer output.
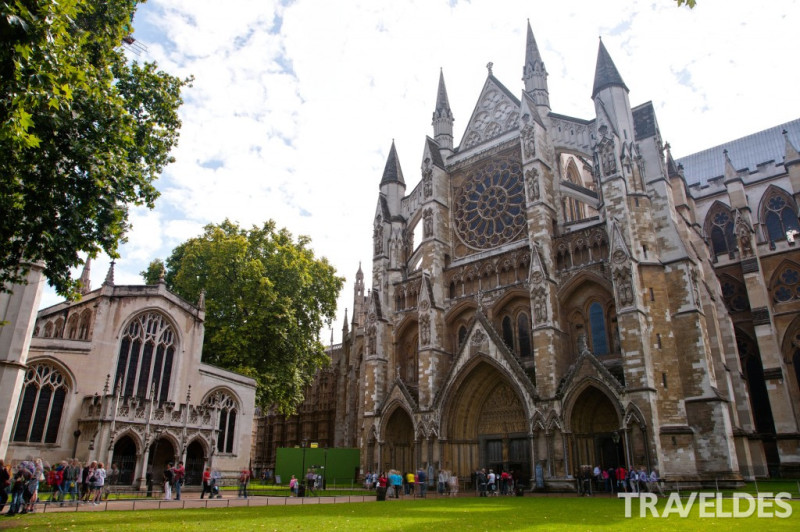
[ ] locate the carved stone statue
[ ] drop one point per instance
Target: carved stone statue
(532, 177)
(427, 224)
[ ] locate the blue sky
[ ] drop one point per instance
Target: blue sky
(295, 104)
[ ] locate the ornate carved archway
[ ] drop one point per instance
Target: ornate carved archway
(486, 424)
(596, 435)
(398, 442)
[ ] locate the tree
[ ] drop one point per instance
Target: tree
(267, 298)
(83, 133)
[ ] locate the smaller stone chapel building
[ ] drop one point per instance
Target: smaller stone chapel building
(117, 377)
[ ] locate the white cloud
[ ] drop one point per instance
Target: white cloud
(296, 125)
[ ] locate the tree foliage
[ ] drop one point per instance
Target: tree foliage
(267, 298)
(83, 133)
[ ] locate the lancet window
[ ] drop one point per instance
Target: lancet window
(44, 392)
(146, 357)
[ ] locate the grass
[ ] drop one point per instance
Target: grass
(508, 513)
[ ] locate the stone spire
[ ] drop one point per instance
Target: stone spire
(443, 117)
(345, 326)
(606, 73)
(392, 172)
(110, 275)
(533, 72)
(86, 277)
(358, 299)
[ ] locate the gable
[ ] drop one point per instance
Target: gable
(496, 112)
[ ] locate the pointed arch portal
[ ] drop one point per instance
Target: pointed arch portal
(162, 452)
(398, 448)
(486, 425)
(125, 458)
(595, 429)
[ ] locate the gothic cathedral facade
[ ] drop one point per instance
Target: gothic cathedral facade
(559, 292)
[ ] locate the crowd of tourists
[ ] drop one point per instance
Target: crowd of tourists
(491, 484)
(394, 484)
(69, 480)
(618, 480)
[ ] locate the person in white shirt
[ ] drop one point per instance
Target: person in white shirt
(99, 483)
(491, 479)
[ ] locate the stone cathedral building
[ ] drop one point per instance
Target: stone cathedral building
(559, 291)
(117, 377)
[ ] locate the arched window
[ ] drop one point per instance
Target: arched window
(58, 332)
(48, 329)
(86, 320)
(508, 333)
(462, 335)
(734, 294)
(43, 394)
(779, 214)
(409, 364)
(146, 356)
(719, 227)
(524, 335)
(597, 322)
(72, 326)
(227, 406)
(785, 285)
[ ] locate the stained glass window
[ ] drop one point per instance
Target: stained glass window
(43, 394)
(137, 367)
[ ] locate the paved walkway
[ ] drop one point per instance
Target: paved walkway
(193, 500)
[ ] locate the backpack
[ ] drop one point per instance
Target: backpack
(55, 477)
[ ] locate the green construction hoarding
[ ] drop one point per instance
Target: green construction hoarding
(338, 466)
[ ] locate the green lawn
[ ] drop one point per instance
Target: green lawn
(512, 513)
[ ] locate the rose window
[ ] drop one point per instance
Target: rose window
(490, 206)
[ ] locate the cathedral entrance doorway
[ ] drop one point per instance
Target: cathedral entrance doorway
(597, 438)
(487, 426)
(125, 458)
(162, 452)
(398, 448)
(195, 460)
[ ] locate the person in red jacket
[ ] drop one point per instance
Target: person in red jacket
(206, 483)
(622, 479)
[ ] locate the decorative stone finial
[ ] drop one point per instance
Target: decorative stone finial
(110, 275)
(489, 66)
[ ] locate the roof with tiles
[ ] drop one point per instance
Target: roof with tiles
(746, 152)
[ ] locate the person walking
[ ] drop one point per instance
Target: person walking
(167, 479)
(244, 478)
(206, 483)
(178, 474)
(99, 483)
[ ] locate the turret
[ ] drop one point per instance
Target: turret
(534, 74)
(358, 299)
(443, 117)
(86, 277)
(393, 186)
(610, 95)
